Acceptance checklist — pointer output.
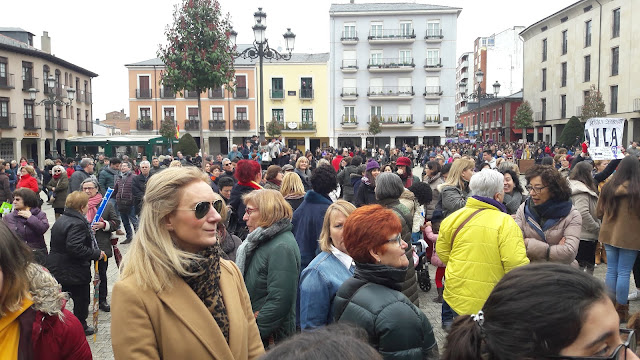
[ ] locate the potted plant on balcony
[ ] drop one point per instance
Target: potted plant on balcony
(146, 123)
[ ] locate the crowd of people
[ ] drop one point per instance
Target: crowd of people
(259, 253)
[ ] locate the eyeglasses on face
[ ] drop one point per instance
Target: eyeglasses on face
(202, 208)
(250, 211)
(536, 190)
(619, 353)
(397, 239)
(85, 188)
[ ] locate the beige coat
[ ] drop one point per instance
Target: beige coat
(175, 324)
(570, 228)
(585, 200)
(620, 230)
(408, 199)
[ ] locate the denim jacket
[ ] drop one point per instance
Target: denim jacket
(319, 283)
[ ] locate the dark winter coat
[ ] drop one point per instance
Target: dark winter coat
(103, 236)
(139, 187)
(123, 193)
(366, 195)
(372, 300)
(62, 190)
(75, 182)
(271, 276)
(304, 177)
(344, 179)
(30, 230)
(5, 188)
(236, 203)
(295, 202)
(71, 249)
(307, 224)
(107, 179)
(356, 180)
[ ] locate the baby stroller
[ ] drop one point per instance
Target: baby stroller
(422, 264)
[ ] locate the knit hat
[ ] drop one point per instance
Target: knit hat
(403, 161)
(372, 164)
(585, 149)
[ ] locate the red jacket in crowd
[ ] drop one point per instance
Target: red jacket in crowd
(28, 182)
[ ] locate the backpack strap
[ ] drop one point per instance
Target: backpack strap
(463, 224)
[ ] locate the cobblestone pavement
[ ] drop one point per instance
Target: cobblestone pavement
(101, 348)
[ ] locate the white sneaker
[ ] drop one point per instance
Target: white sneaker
(633, 295)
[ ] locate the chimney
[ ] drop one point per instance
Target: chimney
(45, 42)
(351, 1)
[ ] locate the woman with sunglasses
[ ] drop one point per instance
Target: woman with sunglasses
(269, 260)
(550, 224)
(59, 187)
(371, 299)
(520, 320)
(176, 298)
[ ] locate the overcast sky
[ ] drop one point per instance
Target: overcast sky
(102, 36)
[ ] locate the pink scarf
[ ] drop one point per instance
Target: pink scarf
(94, 202)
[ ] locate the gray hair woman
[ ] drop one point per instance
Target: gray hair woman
(58, 186)
(388, 190)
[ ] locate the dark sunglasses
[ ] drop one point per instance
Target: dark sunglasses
(202, 208)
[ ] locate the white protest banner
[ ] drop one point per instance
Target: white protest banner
(604, 136)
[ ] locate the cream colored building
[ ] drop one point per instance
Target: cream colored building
(582, 45)
(27, 127)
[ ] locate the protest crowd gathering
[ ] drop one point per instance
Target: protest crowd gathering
(274, 253)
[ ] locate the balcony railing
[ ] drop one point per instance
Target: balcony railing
(8, 82)
(432, 91)
(349, 36)
(390, 90)
(191, 94)
(32, 123)
(30, 83)
(299, 126)
(216, 93)
(390, 64)
(90, 127)
(393, 34)
(349, 65)
(349, 120)
(144, 124)
(241, 125)
(241, 93)
(432, 119)
(88, 98)
(8, 122)
(81, 125)
(277, 94)
(143, 93)
(636, 105)
(306, 93)
(394, 119)
(434, 34)
(192, 124)
(217, 125)
(80, 96)
(167, 93)
(349, 92)
(60, 92)
(432, 63)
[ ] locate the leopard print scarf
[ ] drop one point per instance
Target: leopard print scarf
(207, 285)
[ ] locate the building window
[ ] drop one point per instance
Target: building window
(376, 111)
(277, 88)
(277, 115)
(27, 75)
(4, 108)
(544, 79)
(615, 58)
(349, 114)
(217, 114)
(563, 106)
(375, 57)
(587, 33)
(349, 31)
(615, 30)
(587, 68)
(406, 29)
(564, 42)
(145, 113)
(405, 57)
(241, 113)
(543, 109)
(192, 113)
(433, 57)
(306, 88)
(614, 99)
(170, 113)
(376, 30)
(563, 80)
(241, 87)
(433, 28)
(307, 115)
(3, 72)
(544, 49)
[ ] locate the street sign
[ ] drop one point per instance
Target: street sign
(31, 134)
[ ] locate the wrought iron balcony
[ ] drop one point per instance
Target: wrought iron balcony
(349, 121)
(299, 126)
(143, 93)
(88, 98)
(432, 120)
(432, 91)
(349, 37)
(241, 125)
(241, 93)
(192, 124)
(349, 65)
(8, 82)
(216, 93)
(32, 123)
(349, 93)
(90, 127)
(191, 94)
(393, 120)
(306, 94)
(217, 125)
(434, 34)
(391, 35)
(167, 93)
(144, 124)
(390, 92)
(8, 122)
(81, 125)
(276, 94)
(30, 83)
(80, 96)
(59, 91)
(391, 65)
(433, 64)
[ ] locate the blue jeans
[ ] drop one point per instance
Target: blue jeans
(447, 313)
(619, 266)
(128, 220)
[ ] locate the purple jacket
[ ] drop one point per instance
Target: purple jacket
(30, 230)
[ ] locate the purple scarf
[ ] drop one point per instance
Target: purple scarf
(492, 202)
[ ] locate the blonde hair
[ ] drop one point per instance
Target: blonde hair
(77, 200)
(45, 291)
(291, 185)
(223, 212)
(154, 259)
(300, 160)
(272, 206)
(454, 177)
(341, 206)
(175, 163)
(29, 169)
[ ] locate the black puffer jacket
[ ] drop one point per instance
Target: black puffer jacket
(71, 249)
(344, 179)
(372, 300)
(366, 195)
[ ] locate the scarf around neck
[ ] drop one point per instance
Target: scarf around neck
(206, 284)
(256, 238)
(92, 210)
(251, 184)
(384, 275)
(546, 215)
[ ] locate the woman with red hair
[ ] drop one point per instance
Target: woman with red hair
(249, 174)
(371, 299)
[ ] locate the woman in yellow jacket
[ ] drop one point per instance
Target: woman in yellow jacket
(479, 244)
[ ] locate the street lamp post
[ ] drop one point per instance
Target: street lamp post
(261, 50)
(479, 93)
(50, 101)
